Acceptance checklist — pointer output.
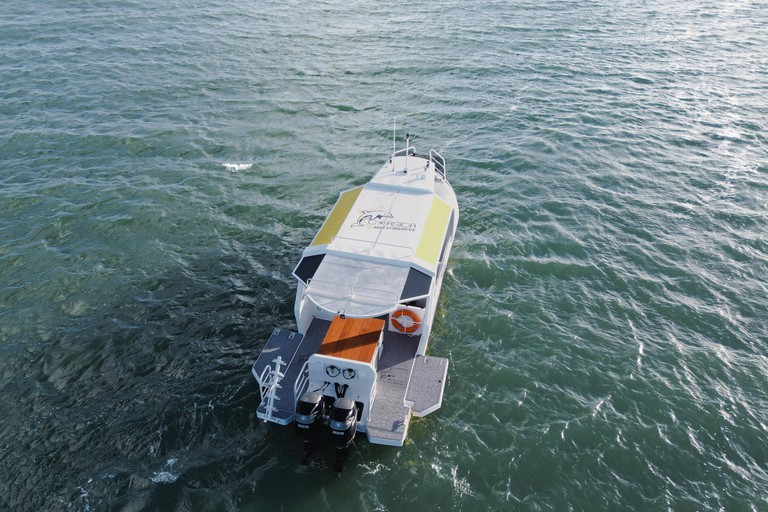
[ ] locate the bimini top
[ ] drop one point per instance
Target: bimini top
(381, 244)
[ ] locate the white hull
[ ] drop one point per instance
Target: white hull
(367, 293)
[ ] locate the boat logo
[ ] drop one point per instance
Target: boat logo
(379, 219)
(373, 218)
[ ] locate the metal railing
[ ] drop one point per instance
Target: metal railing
(405, 151)
(302, 382)
(439, 164)
(434, 157)
(269, 383)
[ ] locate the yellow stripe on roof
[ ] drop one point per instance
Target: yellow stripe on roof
(333, 223)
(434, 231)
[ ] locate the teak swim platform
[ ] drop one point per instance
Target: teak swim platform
(352, 338)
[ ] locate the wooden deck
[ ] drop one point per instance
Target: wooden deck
(352, 338)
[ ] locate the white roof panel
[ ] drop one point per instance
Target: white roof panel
(384, 221)
(355, 287)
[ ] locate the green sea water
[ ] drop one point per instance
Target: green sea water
(163, 165)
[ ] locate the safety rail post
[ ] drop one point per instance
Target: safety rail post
(302, 382)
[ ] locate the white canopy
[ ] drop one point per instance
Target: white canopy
(356, 288)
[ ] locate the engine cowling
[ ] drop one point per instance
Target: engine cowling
(343, 422)
(308, 420)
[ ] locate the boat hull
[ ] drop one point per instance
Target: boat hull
(367, 294)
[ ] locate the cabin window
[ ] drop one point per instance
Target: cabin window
(416, 285)
(448, 237)
(307, 267)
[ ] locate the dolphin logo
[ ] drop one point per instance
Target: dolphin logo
(370, 218)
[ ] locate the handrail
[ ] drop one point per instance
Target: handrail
(302, 382)
(434, 157)
(441, 170)
(404, 150)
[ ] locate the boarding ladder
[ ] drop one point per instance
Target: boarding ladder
(269, 384)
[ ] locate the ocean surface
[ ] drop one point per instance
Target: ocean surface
(605, 310)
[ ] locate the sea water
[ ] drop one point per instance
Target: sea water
(604, 310)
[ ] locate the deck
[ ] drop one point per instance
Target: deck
(294, 349)
(407, 384)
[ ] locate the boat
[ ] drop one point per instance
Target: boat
(366, 299)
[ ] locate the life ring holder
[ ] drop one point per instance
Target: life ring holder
(405, 321)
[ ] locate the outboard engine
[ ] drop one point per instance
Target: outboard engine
(308, 422)
(343, 429)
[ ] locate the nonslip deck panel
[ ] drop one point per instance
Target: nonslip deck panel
(432, 237)
(297, 350)
(388, 423)
(427, 384)
(281, 343)
(335, 219)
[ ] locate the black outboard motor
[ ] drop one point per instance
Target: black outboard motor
(308, 422)
(343, 429)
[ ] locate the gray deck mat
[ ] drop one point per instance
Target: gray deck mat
(425, 390)
(295, 352)
(389, 415)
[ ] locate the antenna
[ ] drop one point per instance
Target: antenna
(407, 144)
(394, 134)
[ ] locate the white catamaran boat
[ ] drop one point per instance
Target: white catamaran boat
(367, 292)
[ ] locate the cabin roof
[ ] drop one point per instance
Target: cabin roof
(381, 243)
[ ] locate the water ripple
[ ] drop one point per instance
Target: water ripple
(604, 307)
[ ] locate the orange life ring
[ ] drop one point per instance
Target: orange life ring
(406, 321)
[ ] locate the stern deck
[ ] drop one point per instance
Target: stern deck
(407, 385)
(294, 349)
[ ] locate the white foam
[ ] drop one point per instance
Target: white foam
(164, 477)
(237, 167)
